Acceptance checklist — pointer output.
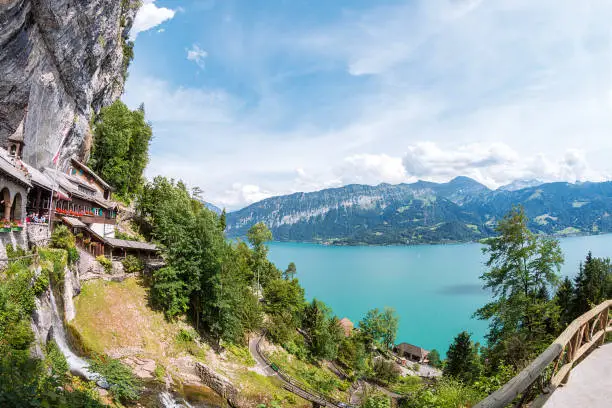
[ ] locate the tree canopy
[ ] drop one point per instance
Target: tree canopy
(120, 150)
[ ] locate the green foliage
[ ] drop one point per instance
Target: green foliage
(322, 329)
(56, 363)
(434, 358)
(593, 285)
(377, 401)
(290, 272)
(284, 302)
(353, 355)
(132, 264)
(407, 385)
(205, 275)
(105, 262)
(62, 238)
(121, 145)
(487, 384)
(185, 335)
(380, 327)
(521, 268)
(462, 359)
(385, 371)
(124, 386)
(25, 381)
(446, 393)
(12, 253)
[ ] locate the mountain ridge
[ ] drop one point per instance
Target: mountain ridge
(460, 210)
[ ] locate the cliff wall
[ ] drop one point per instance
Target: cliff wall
(60, 61)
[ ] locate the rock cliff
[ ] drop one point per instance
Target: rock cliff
(60, 61)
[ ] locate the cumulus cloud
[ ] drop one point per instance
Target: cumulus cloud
(393, 92)
(243, 194)
(372, 169)
(150, 16)
(197, 55)
(495, 164)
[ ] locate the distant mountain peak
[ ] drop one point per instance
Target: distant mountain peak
(521, 184)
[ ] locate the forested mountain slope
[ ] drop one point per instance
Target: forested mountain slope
(425, 212)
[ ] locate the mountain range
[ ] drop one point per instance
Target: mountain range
(461, 210)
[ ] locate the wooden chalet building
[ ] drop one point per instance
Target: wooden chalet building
(76, 197)
(411, 352)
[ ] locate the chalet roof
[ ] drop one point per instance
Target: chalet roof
(71, 185)
(8, 165)
(40, 179)
(347, 326)
(91, 173)
(17, 135)
(411, 349)
(122, 243)
(346, 322)
(74, 222)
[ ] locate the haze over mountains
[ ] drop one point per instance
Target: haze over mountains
(426, 212)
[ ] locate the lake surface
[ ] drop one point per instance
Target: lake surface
(434, 288)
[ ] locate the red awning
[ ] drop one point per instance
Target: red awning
(60, 196)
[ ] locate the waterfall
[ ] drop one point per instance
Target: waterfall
(47, 323)
(168, 401)
(69, 288)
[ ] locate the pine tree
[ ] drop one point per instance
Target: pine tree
(462, 359)
(290, 271)
(563, 299)
(592, 284)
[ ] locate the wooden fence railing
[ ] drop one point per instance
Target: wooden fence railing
(551, 369)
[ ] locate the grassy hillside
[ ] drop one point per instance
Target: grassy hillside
(114, 318)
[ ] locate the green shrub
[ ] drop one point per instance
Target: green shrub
(41, 283)
(186, 335)
(447, 393)
(377, 401)
(12, 253)
(56, 362)
(73, 255)
(132, 264)
(124, 386)
(62, 238)
(106, 263)
(159, 373)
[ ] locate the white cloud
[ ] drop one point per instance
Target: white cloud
(197, 55)
(428, 89)
(372, 169)
(150, 16)
(241, 194)
(495, 164)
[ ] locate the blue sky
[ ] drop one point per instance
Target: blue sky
(250, 99)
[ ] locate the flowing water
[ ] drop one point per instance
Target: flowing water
(434, 288)
(77, 365)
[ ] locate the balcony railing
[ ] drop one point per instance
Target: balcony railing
(534, 384)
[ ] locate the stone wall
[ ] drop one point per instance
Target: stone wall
(38, 234)
(14, 238)
(221, 386)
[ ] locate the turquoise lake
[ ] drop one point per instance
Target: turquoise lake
(434, 288)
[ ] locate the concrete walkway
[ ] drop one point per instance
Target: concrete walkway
(589, 385)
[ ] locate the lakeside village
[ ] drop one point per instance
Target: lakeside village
(81, 200)
(33, 201)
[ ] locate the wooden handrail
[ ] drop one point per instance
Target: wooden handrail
(577, 339)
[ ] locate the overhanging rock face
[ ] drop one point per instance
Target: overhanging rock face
(60, 60)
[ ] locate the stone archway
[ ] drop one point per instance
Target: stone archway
(17, 208)
(5, 204)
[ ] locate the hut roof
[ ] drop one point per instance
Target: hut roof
(91, 173)
(17, 135)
